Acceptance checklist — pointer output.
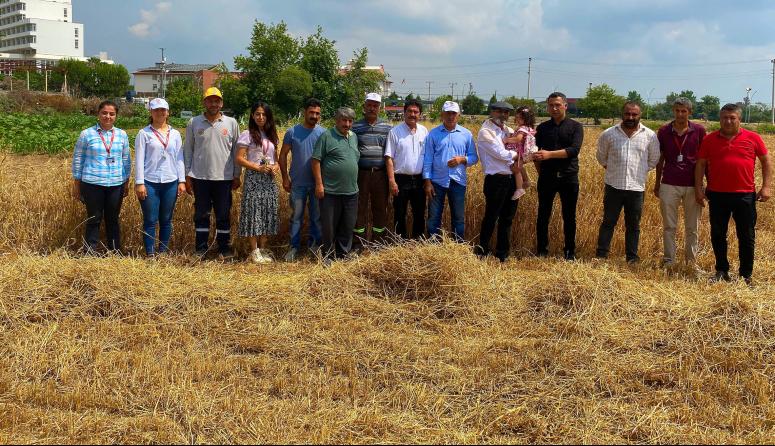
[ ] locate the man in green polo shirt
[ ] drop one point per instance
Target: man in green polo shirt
(335, 170)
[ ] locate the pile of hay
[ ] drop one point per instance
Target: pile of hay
(411, 344)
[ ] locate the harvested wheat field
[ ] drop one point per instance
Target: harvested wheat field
(414, 343)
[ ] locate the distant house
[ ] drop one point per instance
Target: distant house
(148, 80)
(387, 86)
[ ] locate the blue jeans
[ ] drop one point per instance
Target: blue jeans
(457, 206)
(301, 196)
(158, 207)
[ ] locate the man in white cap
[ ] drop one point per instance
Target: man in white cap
(372, 134)
(449, 151)
(211, 173)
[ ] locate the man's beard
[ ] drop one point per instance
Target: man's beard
(630, 123)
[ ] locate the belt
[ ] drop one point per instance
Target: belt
(409, 175)
(372, 169)
(505, 175)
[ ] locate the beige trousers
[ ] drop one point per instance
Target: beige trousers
(670, 198)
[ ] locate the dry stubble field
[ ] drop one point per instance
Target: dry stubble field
(417, 343)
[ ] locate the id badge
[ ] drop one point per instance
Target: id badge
(680, 158)
(111, 160)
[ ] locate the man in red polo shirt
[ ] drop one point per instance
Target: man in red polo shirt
(730, 157)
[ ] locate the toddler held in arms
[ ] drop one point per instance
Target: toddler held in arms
(525, 147)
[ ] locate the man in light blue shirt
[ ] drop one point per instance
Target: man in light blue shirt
(299, 142)
(449, 151)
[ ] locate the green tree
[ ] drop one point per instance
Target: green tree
(601, 102)
(519, 102)
(94, 78)
(634, 96)
(292, 86)
(435, 112)
(184, 94)
(409, 97)
(321, 60)
(271, 50)
(708, 108)
(356, 82)
(109, 80)
(472, 105)
(493, 99)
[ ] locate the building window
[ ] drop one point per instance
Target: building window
(76, 43)
(65, 12)
(155, 87)
(76, 32)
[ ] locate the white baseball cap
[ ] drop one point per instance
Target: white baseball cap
(373, 97)
(158, 103)
(451, 106)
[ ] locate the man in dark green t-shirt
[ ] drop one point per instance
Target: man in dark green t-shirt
(335, 170)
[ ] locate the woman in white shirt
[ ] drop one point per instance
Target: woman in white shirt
(159, 176)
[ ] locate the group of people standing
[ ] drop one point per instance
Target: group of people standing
(343, 177)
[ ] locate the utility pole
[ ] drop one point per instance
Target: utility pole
(429, 89)
(163, 73)
(453, 89)
(529, 70)
(470, 88)
(773, 91)
(28, 80)
(46, 72)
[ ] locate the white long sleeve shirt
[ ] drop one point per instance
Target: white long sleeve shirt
(407, 149)
(628, 159)
(495, 158)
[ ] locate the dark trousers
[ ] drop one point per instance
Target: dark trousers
(212, 195)
(499, 208)
(372, 195)
(742, 208)
(569, 196)
(613, 202)
(338, 214)
(410, 190)
(102, 202)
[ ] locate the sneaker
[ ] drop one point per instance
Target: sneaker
(256, 256)
(517, 194)
(721, 276)
(570, 255)
(201, 252)
(266, 255)
(314, 249)
(291, 255)
(748, 281)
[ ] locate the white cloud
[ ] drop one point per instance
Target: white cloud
(145, 27)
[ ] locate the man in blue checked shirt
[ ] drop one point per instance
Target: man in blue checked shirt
(449, 151)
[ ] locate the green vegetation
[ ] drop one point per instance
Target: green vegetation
(281, 69)
(56, 133)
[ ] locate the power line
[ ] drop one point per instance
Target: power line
(610, 64)
(445, 67)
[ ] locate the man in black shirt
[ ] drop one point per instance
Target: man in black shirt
(559, 141)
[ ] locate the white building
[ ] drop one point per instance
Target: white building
(40, 29)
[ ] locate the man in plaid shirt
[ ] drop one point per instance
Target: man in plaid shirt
(627, 152)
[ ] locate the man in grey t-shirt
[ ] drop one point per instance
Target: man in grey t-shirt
(211, 173)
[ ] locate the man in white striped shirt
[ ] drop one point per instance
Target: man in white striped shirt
(627, 152)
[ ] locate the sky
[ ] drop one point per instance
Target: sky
(711, 47)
